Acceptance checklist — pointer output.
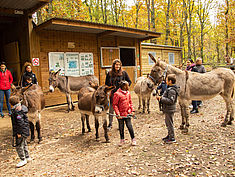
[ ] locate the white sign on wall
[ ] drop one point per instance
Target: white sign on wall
(72, 64)
(86, 64)
(56, 62)
(35, 61)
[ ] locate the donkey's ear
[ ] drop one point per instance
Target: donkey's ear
(57, 72)
(148, 75)
(109, 88)
(152, 57)
(13, 87)
(93, 85)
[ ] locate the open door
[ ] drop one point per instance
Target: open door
(12, 58)
(128, 58)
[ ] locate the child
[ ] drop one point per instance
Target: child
(169, 100)
(162, 87)
(20, 126)
(122, 105)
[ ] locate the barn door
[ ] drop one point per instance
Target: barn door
(128, 58)
(108, 54)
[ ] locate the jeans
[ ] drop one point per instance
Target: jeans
(21, 148)
(7, 94)
(169, 124)
(129, 126)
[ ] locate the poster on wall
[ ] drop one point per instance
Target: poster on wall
(71, 64)
(86, 64)
(56, 62)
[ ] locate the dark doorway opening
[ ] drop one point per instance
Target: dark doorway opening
(127, 56)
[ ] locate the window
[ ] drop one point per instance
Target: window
(171, 57)
(108, 54)
(151, 62)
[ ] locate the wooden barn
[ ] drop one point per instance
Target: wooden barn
(169, 54)
(82, 48)
(77, 47)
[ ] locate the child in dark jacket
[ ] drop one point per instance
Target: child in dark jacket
(162, 87)
(122, 105)
(20, 126)
(169, 100)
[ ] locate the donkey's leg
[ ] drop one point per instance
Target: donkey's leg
(97, 127)
(148, 105)
(71, 101)
(231, 116)
(105, 129)
(38, 128)
(143, 101)
(83, 125)
(68, 98)
(186, 108)
(229, 108)
(31, 126)
(182, 115)
(139, 107)
(87, 123)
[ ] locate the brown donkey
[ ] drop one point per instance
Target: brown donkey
(196, 86)
(96, 103)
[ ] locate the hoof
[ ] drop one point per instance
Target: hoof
(223, 124)
(39, 140)
(107, 141)
(97, 138)
(181, 127)
(148, 112)
(89, 130)
(185, 130)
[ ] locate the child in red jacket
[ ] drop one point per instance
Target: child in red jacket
(122, 105)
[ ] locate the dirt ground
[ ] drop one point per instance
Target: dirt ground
(207, 150)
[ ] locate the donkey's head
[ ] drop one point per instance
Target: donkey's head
(157, 73)
(53, 80)
(18, 92)
(101, 98)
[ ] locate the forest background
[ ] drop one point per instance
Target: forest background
(203, 28)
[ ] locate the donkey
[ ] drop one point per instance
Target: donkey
(196, 86)
(70, 85)
(143, 88)
(96, 103)
(84, 117)
(32, 97)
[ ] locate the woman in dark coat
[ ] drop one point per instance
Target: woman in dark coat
(113, 78)
(28, 73)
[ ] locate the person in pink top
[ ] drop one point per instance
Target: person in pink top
(5, 87)
(122, 105)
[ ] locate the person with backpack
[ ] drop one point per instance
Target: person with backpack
(169, 99)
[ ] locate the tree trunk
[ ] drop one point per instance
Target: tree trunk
(226, 28)
(153, 16)
(217, 50)
(167, 22)
(148, 10)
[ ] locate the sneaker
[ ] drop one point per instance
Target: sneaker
(165, 138)
(200, 105)
(133, 143)
(2, 115)
(122, 142)
(190, 106)
(29, 159)
(21, 163)
(194, 111)
(170, 140)
(9, 114)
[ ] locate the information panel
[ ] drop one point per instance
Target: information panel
(72, 64)
(86, 64)
(56, 62)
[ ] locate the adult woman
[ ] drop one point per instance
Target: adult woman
(28, 73)
(5, 87)
(113, 78)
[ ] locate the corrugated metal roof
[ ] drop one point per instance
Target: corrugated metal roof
(96, 28)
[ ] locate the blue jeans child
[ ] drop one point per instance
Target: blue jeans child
(7, 94)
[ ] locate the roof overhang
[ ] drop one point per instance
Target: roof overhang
(20, 7)
(162, 47)
(96, 28)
